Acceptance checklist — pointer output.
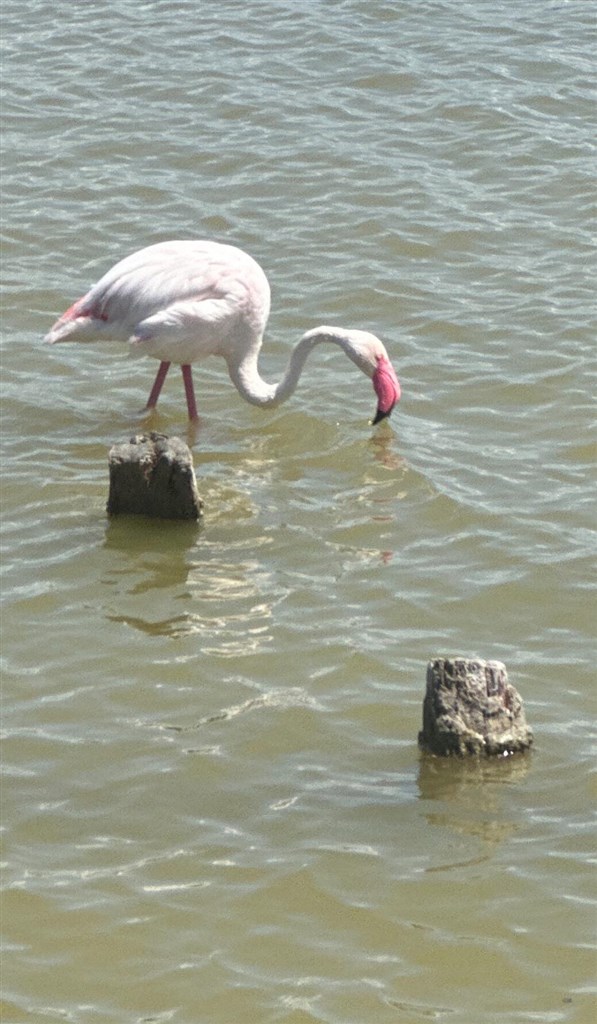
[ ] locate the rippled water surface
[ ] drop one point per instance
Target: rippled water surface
(215, 810)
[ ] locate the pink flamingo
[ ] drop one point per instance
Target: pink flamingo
(183, 301)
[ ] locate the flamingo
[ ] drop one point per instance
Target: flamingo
(182, 301)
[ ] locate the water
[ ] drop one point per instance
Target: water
(215, 809)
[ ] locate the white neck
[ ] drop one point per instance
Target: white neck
(254, 389)
(245, 375)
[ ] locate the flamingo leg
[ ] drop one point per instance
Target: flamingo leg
(154, 394)
(187, 376)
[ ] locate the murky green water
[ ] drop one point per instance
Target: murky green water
(215, 811)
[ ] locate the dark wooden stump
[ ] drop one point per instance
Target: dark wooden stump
(153, 475)
(471, 708)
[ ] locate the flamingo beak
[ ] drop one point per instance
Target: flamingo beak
(380, 415)
(387, 388)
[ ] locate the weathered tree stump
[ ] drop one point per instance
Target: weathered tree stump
(153, 475)
(471, 708)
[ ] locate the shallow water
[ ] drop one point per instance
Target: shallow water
(215, 809)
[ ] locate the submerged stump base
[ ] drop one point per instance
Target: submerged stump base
(471, 708)
(153, 475)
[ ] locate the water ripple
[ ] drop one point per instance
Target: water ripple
(215, 807)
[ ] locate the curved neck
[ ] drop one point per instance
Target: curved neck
(245, 375)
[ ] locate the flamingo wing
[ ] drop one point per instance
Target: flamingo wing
(186, 331)
(176, 301)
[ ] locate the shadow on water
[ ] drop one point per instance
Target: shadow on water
(382, 444)
(154, 555)
(465, 796)
(162, 583)
(140, 534)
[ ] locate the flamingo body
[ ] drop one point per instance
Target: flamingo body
(183, 301)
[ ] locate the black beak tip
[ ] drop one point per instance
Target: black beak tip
(380, 415)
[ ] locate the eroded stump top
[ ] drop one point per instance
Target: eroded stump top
(470, 707)
(153, 475)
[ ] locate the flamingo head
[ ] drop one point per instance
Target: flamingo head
(369, 354)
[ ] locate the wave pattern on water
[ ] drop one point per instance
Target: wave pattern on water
(214, 807)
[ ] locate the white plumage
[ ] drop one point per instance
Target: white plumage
(183, 301)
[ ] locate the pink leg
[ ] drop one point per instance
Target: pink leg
(152, 401)
(187, 376)
(160, 378)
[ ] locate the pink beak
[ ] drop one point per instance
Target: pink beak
(387, 388)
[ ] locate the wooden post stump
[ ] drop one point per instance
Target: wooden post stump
(153, 475)
(471, 708)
